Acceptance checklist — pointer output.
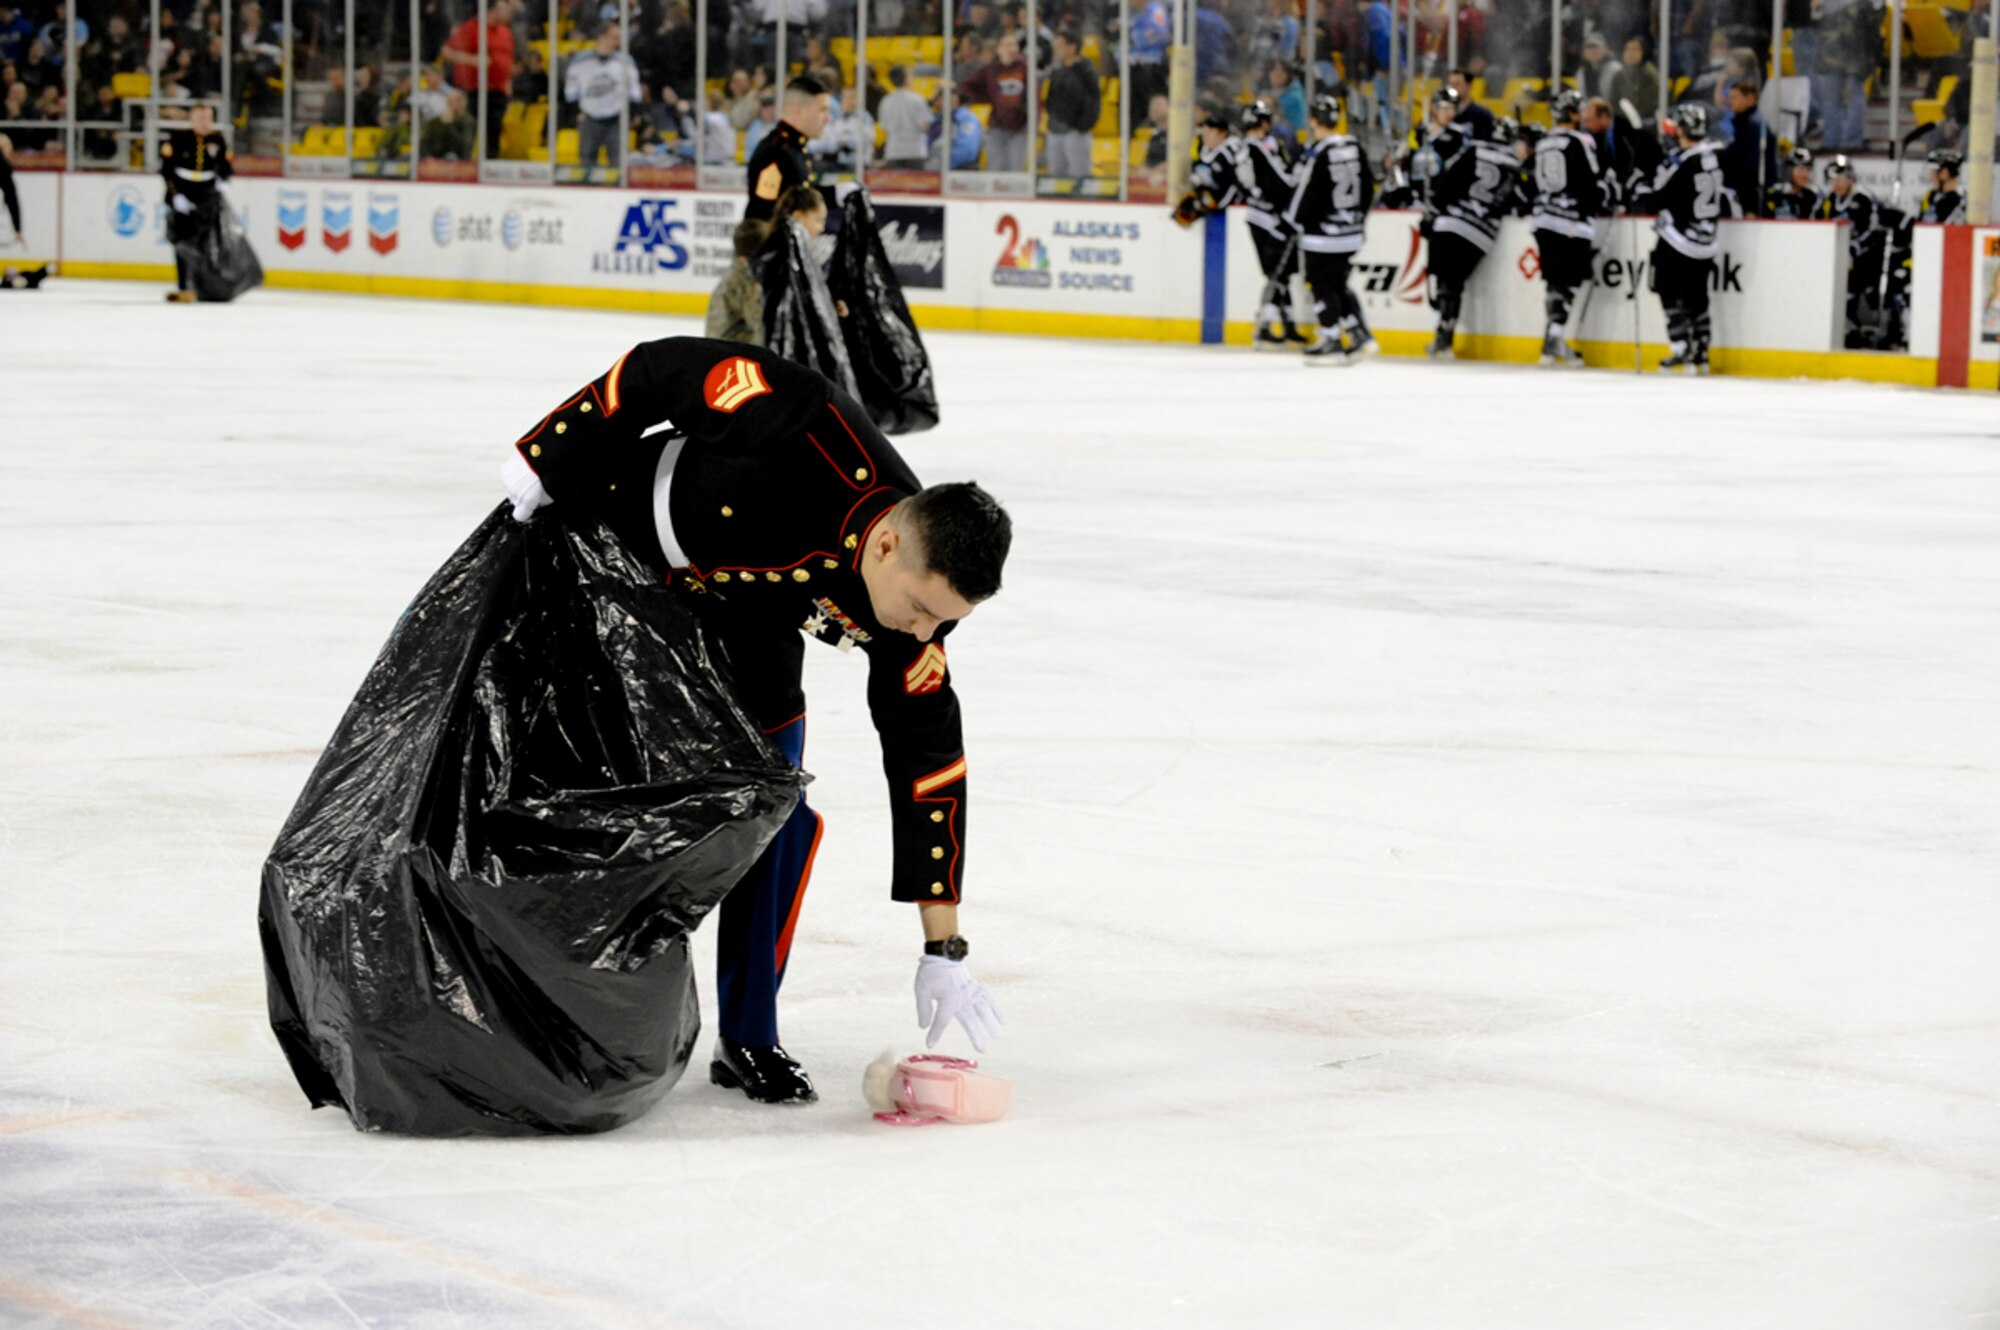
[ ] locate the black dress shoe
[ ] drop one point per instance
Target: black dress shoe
(766, 1073)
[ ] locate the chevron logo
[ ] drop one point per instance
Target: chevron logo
(384, 216)
(336, 220)
(732, 383)
(291, 218)
(927, 674)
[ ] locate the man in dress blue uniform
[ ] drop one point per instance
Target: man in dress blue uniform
(767, 495)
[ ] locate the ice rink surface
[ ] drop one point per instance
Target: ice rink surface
(1458, 846)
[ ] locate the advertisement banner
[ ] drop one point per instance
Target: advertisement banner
(913, 237)
(1777, 285)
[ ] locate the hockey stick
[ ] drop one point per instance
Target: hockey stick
(1632, 271)
(1281, 276)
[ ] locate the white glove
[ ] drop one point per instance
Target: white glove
(182, 204)
(946, 991)
(523, 486)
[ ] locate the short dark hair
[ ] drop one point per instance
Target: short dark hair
(964, 534)
(899, 75)
(806, 86)
(750, 237)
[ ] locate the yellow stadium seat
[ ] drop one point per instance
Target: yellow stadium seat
(842, 49)
(930, 50)
(1104, 156)
(130, 86)
(567, 153)
(1931, 33)
(1140, 141)
(367, 142)
(1107, 109)
(1522, 90)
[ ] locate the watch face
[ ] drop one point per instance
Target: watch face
(956, 948)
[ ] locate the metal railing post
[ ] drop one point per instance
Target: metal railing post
(1124, 100)
(285, 92)
(347, 142)
(624, 93)
(700, 99)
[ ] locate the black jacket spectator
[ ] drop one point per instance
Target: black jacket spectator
(1073, 104)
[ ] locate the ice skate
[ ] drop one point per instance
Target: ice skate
(1326, 351)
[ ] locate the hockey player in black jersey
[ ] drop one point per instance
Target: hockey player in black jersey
(1944, 201)
(1943, 205)
(1266, 174)
(1212, 178)
(1572, 190)
(1413, 174)
(1249, 171)
(1687, 198)
(1794, 198)
(1329, 209)
(1524, 138)
(1866, 244)
(1473, 191)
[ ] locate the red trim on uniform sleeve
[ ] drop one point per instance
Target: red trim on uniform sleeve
(611, 385)
(957, 851)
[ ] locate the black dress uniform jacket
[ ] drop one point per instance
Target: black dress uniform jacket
(194, 164)
(779, 163)
(774, 494)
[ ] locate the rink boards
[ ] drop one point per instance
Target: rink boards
(1029, 266)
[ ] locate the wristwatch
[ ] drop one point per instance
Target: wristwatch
(953, 948)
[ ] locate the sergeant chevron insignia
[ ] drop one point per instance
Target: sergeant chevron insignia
(732, 383)
(926, 674)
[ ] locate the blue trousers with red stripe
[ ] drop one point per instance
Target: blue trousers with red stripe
(759, 914)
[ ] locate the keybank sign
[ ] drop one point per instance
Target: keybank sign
(649, 241)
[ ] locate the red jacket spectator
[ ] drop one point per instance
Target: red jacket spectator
(499, 50)
(1004, 88)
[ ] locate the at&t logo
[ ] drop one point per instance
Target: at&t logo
(441, 227)
(649, 241)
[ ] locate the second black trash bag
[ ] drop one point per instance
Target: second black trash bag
(892, 371)
(221, 264)
(800, 321)
(475, 920)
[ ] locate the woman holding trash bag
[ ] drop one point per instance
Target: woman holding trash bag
(778, 508)
(196, 164)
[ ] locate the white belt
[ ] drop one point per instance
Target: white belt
(663, 488)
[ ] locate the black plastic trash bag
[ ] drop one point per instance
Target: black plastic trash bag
(221, 265)
(892, 371)
(800, 321)
(475, 921)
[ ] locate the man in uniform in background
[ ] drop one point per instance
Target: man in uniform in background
(1793, 199)
(195, 163)
(1329, 210)
(780, 160)
(1474, 190)
(1866, 242)
(783, 513)
(1572, 190)
(1687, 200)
